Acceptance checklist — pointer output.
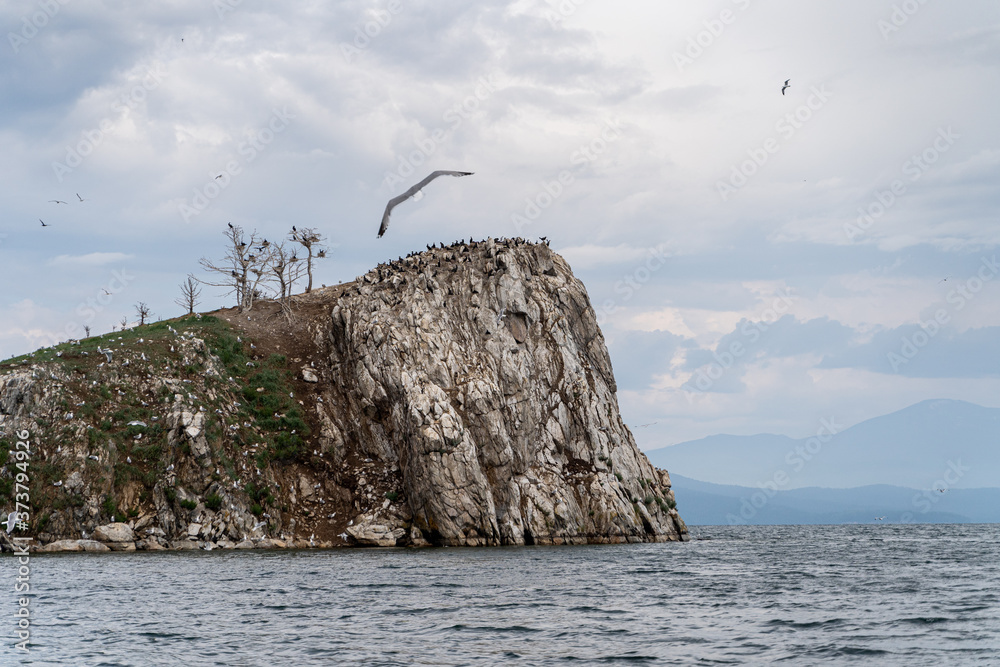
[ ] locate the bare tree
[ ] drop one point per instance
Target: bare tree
(286, 269)
(124, 323)
(308, 237)
(242, 269)
(86, 331)
(142, 312)
(189, 294)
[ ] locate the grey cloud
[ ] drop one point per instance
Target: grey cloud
(638, 356)
(753, 340)
(911, 351)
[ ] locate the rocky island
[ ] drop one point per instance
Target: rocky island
(460, 396)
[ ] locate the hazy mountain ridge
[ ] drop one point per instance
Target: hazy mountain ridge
(933, 444)
(704, 503)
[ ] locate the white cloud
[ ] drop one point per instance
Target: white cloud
(590, 256)
(90, 259)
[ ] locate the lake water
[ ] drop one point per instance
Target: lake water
(801, 595)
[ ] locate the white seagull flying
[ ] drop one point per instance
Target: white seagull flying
(786, 86)
(396, 201)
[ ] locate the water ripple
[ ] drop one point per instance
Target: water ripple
(887, 595)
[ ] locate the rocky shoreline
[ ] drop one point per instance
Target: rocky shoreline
(120, 538)
(131, 543)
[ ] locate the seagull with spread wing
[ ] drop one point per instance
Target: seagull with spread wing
(396, 201)
(786, 86)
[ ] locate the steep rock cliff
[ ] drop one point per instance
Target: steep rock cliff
(481, 369)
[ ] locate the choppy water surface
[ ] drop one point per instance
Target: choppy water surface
(801, 595)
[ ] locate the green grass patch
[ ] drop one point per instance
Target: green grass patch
(111, 509)
(260, 495)
(150, 452)
(127, 472)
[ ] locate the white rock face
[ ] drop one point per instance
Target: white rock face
(80, 545)
(368, 532)
(114, 532)
(487, 380)
(63, 546)
(187, 426)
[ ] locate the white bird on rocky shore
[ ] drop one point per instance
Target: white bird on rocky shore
(11, 520)
(396, 201)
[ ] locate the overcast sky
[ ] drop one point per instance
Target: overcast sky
(758, 261)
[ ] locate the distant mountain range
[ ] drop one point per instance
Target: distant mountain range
(701, 503)
(934, 444)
